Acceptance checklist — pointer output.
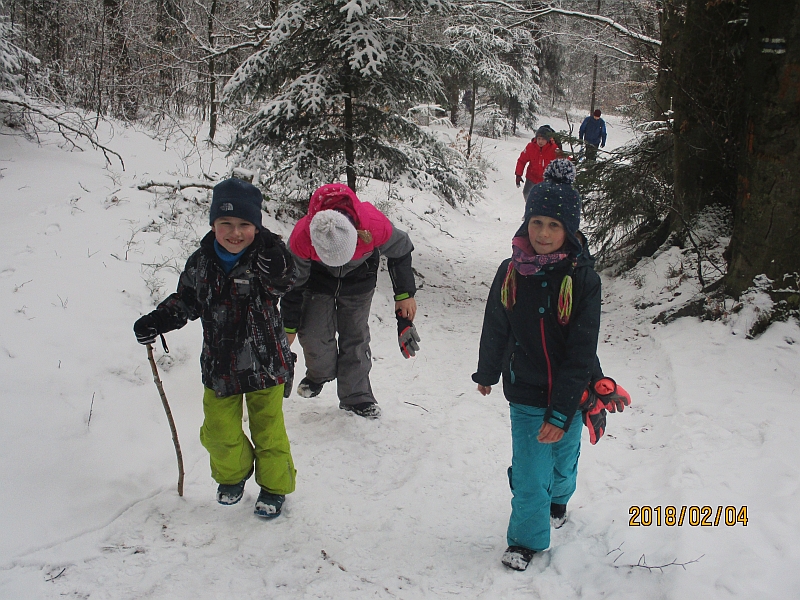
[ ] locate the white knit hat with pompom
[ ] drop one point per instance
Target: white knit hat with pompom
(334, 237)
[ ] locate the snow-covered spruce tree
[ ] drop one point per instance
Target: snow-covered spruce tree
(12, 59)
(326, 96)
(502, 61)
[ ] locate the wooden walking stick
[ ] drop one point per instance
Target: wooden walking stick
(160, 387)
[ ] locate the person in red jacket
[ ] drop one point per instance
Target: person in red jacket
(537, 155)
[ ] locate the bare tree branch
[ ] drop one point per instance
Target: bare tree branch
(64, 127)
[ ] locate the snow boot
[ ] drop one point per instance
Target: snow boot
(231, 494)
(368, 410)
(517, 557)
(308, 388)
(268, 505)
(558, 515)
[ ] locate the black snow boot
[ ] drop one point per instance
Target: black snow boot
(368, 410)
(231, 493)
(308, 388)
(558, 515)
(517, 557)
(268, 505)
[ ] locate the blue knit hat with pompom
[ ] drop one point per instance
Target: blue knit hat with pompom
(556, 198)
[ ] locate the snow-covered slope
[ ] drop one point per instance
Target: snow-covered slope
(414, 505)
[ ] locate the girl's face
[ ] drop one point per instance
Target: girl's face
(234, 234)
(546, 235)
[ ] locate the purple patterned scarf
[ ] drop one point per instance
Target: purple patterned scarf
(525, 259)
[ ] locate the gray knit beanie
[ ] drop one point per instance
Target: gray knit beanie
(236, 198)
(334, 237)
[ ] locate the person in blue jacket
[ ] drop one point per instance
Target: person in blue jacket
(593, 132)
(540, 332)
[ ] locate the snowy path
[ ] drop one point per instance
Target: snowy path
(414, 505)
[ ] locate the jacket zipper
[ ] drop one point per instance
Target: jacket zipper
(547, 359)
(338, 283)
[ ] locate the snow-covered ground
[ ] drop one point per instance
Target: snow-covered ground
(414, 505)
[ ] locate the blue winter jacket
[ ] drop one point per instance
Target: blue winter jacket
(593, 131)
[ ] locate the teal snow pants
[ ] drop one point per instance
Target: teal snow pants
(233, 455)
(539, 474)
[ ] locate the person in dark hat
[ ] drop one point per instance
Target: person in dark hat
(537, 155)
(233, 283)
(593, 133)
(540, 332)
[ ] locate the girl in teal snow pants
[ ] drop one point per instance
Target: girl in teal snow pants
(540, 331)
(539, 475)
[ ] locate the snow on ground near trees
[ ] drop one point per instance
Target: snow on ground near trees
(414, 505)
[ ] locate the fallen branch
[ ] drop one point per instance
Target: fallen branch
(176, 185)
(643, 564)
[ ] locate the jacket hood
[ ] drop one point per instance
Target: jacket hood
(335, 196)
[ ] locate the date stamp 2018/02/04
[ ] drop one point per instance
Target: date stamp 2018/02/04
(703, 516)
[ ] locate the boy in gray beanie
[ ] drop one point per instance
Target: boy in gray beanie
(233, 283)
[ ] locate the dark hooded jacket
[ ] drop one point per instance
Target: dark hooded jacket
(244, 346)
(542, 363)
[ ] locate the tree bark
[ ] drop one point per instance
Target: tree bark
(766, 233)
(707, 108)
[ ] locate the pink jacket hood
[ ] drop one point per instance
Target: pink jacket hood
(337, 196)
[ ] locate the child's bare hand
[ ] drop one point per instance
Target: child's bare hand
(485, 390)
(407, 308)
(290, 337)
(549, 434)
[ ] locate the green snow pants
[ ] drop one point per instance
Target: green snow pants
(233, 455)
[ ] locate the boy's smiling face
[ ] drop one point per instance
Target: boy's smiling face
(234, 234)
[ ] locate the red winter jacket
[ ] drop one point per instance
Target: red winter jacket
(537, 159)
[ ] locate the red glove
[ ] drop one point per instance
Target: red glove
(612, 395)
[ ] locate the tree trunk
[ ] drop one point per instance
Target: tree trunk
(472, 115)
(766, 234)
(670, 24)
(707, 108)
(125, 101)
(349, 148)
(212, 76)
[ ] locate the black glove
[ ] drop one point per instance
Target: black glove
(519, 180)
(407, 336)
(146, 329)
(271, 261)
(287, 385)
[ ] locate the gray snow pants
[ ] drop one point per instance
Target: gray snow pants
(348, 361)
(526, 189)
